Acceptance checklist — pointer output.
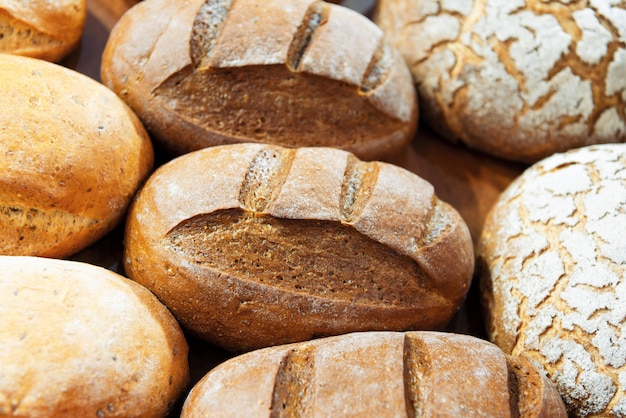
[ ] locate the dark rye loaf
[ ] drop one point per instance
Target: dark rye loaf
(291, 72)
(254, 245)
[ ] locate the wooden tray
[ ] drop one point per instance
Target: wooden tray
(468, 180)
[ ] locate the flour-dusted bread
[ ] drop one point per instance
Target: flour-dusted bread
(289, 72)
(553, 261)
(376, 374)
(44, 29)
(81, 341)
(517, 79)
(252, 245)
(72, 155)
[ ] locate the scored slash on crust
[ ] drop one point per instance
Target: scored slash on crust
(206, 29)
(316, 15)
(270, 168)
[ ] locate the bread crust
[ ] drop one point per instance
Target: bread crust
(552, 264)
(307, 235)
(518, 80)
(79, 340)
(70, 166)
(295, 73)
(413, 374)
(43, 29)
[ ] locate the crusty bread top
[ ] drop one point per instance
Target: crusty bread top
(520, 80)
(385, 203)
(65, 134)
(45, 29)
(168, 59)
(375, 374)
(553, 264)
(79, 340)
(72, 155)
(342, 50)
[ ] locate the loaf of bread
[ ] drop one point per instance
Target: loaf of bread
(520, 80)
(553, 262)
(72, 155)
(81, 341)
(252, 245)
(376, 374)
(286, 72)
(45, 29)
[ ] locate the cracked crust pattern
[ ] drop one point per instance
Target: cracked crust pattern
(553, 256)
(517, 79)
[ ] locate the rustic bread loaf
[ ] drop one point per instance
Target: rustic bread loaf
(45, 29)
(82, 341)
(553, 261)
(72, 155)
(252, 245)
(376, 374)
(286, 72)
(517, 79)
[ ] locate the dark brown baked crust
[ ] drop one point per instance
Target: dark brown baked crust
(253, 245)
(292, 73)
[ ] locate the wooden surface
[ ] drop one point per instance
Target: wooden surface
(469, 181)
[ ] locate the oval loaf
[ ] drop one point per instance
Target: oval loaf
(44, 29)
(253, 245)
(376, 374)
(553, 263)
(72, 155)
(82, 341)
(285, 72)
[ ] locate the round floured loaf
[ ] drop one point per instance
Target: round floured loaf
(253, 245)
(553, 261)
(517, 79)
(285, 72)
(72, 155)
(44, 29)
(81, 341)
(376, 374)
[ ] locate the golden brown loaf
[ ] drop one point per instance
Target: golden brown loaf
(287, 72)
(72, 155)
(252, 245)
(553, 274)
(81, 341)
(376, 374)
(517, 79)
(45, 29)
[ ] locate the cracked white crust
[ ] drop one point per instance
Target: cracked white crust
(554, 256)
(517, 79)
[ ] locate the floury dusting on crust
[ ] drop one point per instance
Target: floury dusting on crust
(518, 79)
(557, 258)
(284, 72)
